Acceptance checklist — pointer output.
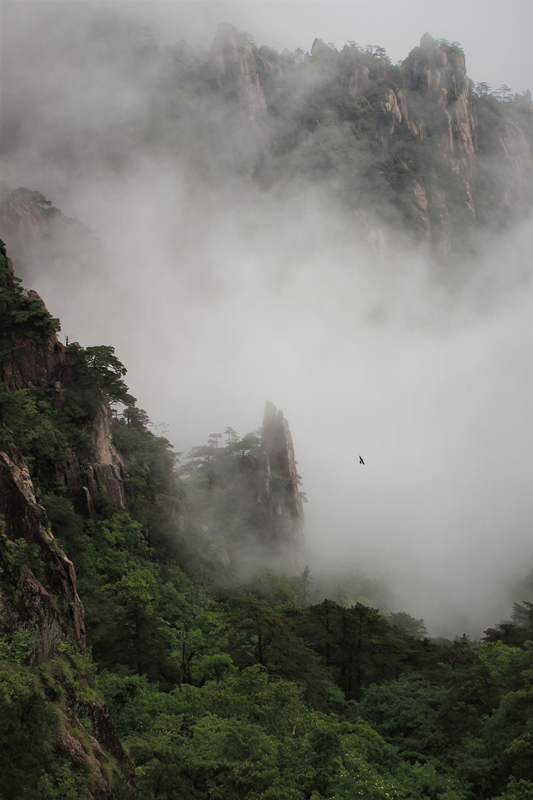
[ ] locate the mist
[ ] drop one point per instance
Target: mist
(219, 296)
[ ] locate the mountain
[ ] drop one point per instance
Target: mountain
(416, 146)
(62, 471)
(160, 634)
(426, 142)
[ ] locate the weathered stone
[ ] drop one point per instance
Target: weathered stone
(278, 494)
(236, 72)
(321, 50)
(103, 728)
(45, 598)
(357, 83)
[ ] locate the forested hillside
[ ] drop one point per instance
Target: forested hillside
(161, 634)
(144, 653)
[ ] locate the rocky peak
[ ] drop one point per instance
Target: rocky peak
(321, 50)
(22, 215)
(436, 73)
(233, 59)
(278, 495)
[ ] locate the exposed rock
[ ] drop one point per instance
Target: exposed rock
(440, 73)
(357, 83)
(35, 365)
(273, 71)
(22, 218)
(278, 495)
(391, 106)
(103, 728)
(422, 204)
(106, 475)
(32, 366)
(236, 72)
(321, 50)
(45, 597)
(94, 752)
(516, 165)
(109, 468)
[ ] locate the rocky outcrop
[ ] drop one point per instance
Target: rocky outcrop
(22, 216)
(437, 73)
(357, 83)
(323, 51)
(31, 365)
(236, 72)
(104, 733)
(105, 478)
(34, 365)
(516, 164)
(42, 591)
(278, 496)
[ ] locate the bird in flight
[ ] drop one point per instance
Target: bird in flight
(361, 460)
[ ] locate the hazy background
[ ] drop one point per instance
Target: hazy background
(217, 299)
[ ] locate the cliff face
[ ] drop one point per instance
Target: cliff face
(236, 72)
(106, 473)
(440, 77)
(39, 594)
(250, 505)
(451, 156)
(32, 561)
(267, 484)
(36, 365)
(437, 102)
(22, 215)
(38, 591)
(278, 497)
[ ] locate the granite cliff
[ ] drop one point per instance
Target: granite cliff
(455, 156)
(279, 498)
(251, 505)
(38, 590)
(44, 364)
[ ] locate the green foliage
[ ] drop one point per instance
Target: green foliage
(97, 372)
(28, 732)
(414, 627)
(15, 649)
(150, 458)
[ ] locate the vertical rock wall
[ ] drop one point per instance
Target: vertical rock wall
(41, 593)
(278, 495)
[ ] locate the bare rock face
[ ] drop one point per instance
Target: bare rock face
(33, 365)
(321, 50)
(22, 218)
(441, 76)
(277, 483)
(392, 107)
(516, 163)
(357, 83)
(45, 597)
(105, 733)
(236, 72)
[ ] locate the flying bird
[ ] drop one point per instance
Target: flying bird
(361, 460)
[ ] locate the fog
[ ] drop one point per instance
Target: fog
(219, 297)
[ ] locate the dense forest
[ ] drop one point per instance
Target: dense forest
(161, 634)
(223, 676)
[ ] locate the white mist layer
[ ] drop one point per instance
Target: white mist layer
(219, 301)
